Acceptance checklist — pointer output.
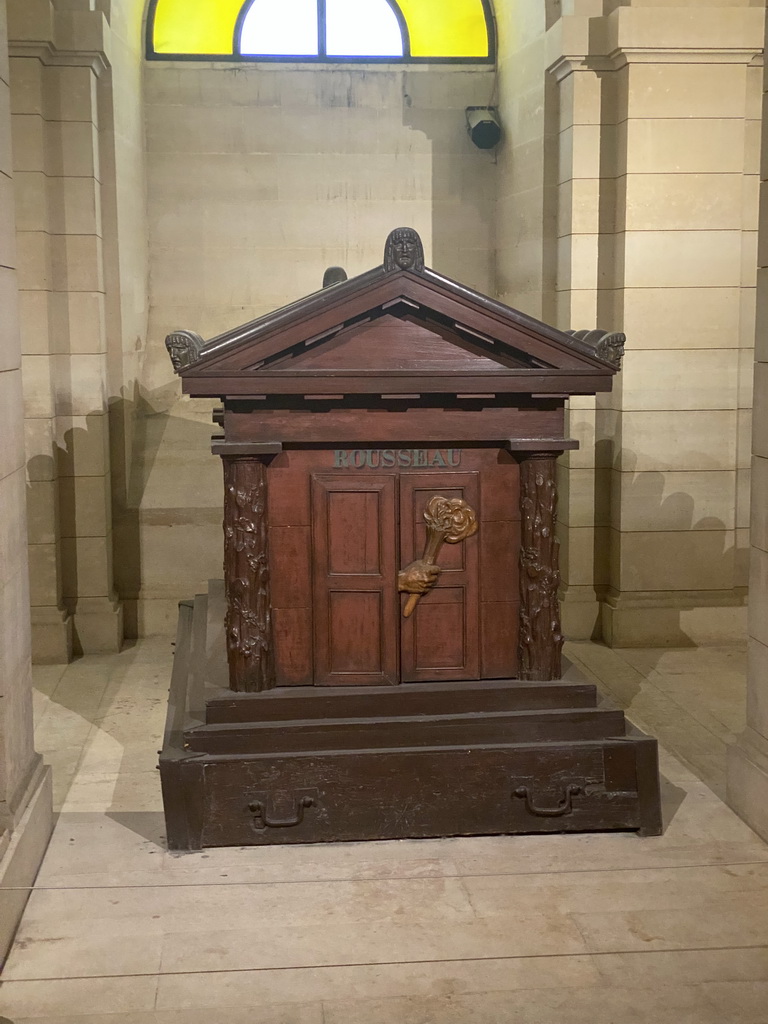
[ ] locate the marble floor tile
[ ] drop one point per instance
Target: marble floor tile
(685, 967)
(45, 678)
(258, 1013)
(80, 996)
(672, 1005)
(421, 980)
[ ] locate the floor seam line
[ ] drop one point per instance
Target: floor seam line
(395, 963)
(383, 878)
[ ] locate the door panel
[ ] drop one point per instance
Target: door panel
(354, 580)
(440, 640)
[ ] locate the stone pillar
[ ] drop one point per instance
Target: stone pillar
(250, 647)
(583, 226)
(63, 323)
(747, 780)
(541, 639)
(656, 229)
(25, 793)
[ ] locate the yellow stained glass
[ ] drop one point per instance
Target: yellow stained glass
(195, 26)
(439, 28)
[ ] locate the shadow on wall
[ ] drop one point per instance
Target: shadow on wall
(635, 503)
(463, 182)
(86, 501)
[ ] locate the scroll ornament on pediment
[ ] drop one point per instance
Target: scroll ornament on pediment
(608, 345)
(184, 348)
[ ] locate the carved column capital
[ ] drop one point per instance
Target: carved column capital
(541, 639)
(250, 649)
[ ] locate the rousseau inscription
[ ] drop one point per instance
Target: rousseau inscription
(382, 458)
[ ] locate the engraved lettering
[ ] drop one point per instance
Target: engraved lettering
(375, 458)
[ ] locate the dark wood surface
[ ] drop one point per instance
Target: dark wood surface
(356, 636)
(337, 538)
(387, 423)
(345, 415)
(541, 638)
(553, 361)
(442, 758)
(246, 574)
(284, 705)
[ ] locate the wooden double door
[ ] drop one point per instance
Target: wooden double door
(339, 535)
(365, 528)
(364, 531)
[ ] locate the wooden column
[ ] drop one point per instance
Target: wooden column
(541, 640)
(250, 648)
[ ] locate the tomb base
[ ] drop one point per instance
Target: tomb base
(321, 764)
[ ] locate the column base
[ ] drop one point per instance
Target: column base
(747, 780)
(98, 626)
(22, 854)
(674, 619)
(580, 614)
(52, 637)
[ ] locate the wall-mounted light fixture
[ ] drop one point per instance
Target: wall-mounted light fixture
(484, 126)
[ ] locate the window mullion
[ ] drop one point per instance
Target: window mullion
(322, 44)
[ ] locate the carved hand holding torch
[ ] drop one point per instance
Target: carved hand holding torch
(449, 521)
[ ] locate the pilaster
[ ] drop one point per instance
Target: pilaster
(747, 779)
(656, 106)
(250, 645)
(57, 58)
(25, 793)
(541, 638)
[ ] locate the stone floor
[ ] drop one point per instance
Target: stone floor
(591, 929)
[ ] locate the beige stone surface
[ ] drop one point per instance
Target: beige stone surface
(678, 380)
(459, 929)
(25, 803)
(673, 501)
(677, 440)
(677, 560)
(686, 90)
(681, 202)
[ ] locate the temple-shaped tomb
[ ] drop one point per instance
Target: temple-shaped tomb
(383, 658)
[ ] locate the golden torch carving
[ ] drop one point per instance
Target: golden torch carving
(449, 521)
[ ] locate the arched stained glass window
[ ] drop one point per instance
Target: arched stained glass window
(321, 30)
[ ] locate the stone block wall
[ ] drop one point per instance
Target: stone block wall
(25, 797)
(657, 111)
(152, 196)
(748, 759)
(259, 178)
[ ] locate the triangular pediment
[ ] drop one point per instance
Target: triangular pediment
(390, 343)
(408, 324)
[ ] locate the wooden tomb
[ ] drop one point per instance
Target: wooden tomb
(393, 645)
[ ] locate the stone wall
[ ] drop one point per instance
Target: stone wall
(658, 111)
(81, 217)
(25, 798)
(748, 759)
(259, 177)
(623, 195)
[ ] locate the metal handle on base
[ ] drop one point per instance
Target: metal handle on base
(261, 818)
(565, 806)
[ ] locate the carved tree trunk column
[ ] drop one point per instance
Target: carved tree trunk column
(540, 638)
(246, 575)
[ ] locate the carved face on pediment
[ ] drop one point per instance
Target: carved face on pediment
(183, 348)
(403, 250)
